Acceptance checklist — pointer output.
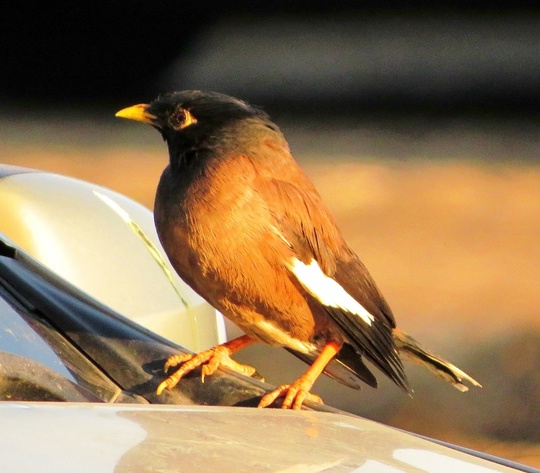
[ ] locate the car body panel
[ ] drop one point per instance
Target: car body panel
(105, 438)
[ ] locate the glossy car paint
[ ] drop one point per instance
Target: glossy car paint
(104, 439)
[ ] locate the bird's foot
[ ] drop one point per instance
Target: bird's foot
(295, 394)
(210, 360)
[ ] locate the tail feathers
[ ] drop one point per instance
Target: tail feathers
(410, 348)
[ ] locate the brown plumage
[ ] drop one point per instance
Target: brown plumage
(246, 229)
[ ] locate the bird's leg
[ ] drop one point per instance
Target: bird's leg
(211, 360)
(297, 392)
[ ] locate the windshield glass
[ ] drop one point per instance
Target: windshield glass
(37, 363)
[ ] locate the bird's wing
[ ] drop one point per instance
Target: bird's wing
(331, 273)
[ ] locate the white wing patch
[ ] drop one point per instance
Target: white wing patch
(327, 291)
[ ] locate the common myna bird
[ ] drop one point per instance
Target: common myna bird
(244, 226)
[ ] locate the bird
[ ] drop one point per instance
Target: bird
(244, 226)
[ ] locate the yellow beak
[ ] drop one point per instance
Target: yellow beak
(139, 113)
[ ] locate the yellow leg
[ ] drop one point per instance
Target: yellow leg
(296, 393)
(211, 360)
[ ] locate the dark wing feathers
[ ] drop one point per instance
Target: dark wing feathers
(354, 277)
(352, 360)
(374, 342)
(307, 225)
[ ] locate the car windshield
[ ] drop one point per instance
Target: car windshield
(37, 363)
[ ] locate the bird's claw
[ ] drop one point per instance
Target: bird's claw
(175, 360)
(189, 362)
(295, 394)
(210, 360)
(167, 384)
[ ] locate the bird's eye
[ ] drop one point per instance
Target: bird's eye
(178, 119)
(181, 118)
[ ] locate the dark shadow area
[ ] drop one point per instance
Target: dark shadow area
(301, 57)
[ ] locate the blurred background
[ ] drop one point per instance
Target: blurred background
(419, 126)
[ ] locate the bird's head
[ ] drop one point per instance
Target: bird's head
(191, 119)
